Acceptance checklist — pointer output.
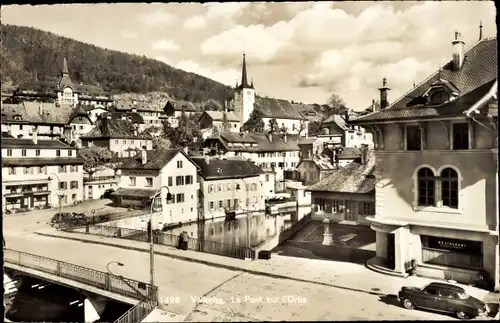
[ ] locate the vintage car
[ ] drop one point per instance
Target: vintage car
(443, 297)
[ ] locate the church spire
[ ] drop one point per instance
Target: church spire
(65, 67)
(244, 78)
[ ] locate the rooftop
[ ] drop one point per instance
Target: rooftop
(115, 128)
(277, 108)
(226, 168)
(473, 80)
(41, 113)
(219, 115)
(353, 178)
(156, 159)
(29, 144)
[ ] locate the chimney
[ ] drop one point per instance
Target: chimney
(124, 117)
(136, 132)
(35, 137)
(383, 94)
(144, 156)
(458, 51)
(346, 115)
(40, 108)
(186, 149)
(207, 159)
(480, 30)
(270, 136)
(108, 116)
(134, 109)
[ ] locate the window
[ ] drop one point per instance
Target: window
(267, 178)
(237, 186)
(149, 181)
(179, 180)
(42, 170)
(426, 184)
(179, 164)
(23, 152)
(236, 203)
(170, 183)
(460, 136)
(58, 153)
(210, 188)
(70, 153)
(413, 138)
(189, 179)
(37, 152)
(228, 203)
(449, 188)
(366, 208)
(62, 169)
(74, 184)
(9, 152)
(219, 187)
(431, 291)
(211, 205)
(180, 197)
(448, 293)
(228, 186)
(63, 185)
(132, 181)
(320, 204)
(439, 97)
(12, 171)
(220, 204)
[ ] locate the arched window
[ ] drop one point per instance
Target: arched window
(449, 188)
(426, 184)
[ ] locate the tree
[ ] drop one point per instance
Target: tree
(302, 127)
(161, 143)
(255, 123)
(95, 158)
(226, 125)
(336, 105)
(215, 131)
(273, 125)
(187, 132)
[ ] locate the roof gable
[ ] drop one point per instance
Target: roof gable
(115, 128)
(218, 116)
(226, 168)
(156, 159)
(277, 108)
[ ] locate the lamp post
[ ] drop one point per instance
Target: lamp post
(151, 241)
(247, 188)
(60, 196)
(120, 277)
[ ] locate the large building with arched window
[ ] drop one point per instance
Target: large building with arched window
(437, 171)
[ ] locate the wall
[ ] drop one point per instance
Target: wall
(26, 130)
(120, 145)
(95, 189)
(358, 137)
(267, 182)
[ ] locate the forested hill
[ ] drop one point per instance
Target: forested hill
(27, 52)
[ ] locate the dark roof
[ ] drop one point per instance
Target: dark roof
(261, 140)
(40, 161)
(350, 153)
(479, 71)
(226, 168)
(237, 137)
(309, 111)
(156, 159)
(354, 178)
(181, 105)
(134, 117)
(218, 116)
(109, 128)
(41, 113)
(29, 144)
(140, 105)
(338, 120)
(140, 192)
(277, 108)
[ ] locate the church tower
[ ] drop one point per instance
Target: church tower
(244, 96)
(66, 91)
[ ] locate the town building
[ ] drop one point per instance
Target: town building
(95, 112)
(287, 117)
(229, 185)
(437, 169)
(100, 184)
(151, 112)
(63, 91)
(347, 194)
(48, 119)
(278, 153)
(336, 131)
(174, 109)
(36, 172)
(121, 136)
(153, 172)
(219, 122)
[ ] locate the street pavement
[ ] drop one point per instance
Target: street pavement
(25, 223)
(200, 292)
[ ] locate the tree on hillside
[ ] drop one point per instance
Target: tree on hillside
(336, 105)
(255, 123)
(273, 126)
(161, 143)
(95, 158)
(212, 105)
(226, 125)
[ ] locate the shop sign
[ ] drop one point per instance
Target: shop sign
(140, 172)
(455, 245)
(464, 246)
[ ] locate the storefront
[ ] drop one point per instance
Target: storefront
(456, 253)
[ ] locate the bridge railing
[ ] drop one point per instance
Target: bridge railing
(137, 313)
(102, 280)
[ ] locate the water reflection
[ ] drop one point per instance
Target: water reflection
(259, 227)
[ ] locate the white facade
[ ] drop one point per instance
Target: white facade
(95, 113)
(357, 137)
(267, 183)
(25, 131)
(245, 99)
(67, 96)
(26, 186)
(292, 125)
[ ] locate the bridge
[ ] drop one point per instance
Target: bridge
(88, 281)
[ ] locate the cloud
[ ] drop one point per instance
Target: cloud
(165, 45)
(226, 76)
(129, 34)
(157, 18)
(195, 23)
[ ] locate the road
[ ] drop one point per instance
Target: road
(25, 223)
(182, 283)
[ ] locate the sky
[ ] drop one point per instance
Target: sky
(301, 51)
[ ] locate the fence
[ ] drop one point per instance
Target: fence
(102, 280)
(69, 224)
(137, 313)
(166, 239)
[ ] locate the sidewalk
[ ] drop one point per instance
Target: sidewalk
(337, 274)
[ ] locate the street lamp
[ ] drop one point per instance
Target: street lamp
(151, 241)
(120, 277)
(247, 188)
(60, 195)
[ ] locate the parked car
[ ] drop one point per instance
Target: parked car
(63, 217)
(443, 297)
(107, 193)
